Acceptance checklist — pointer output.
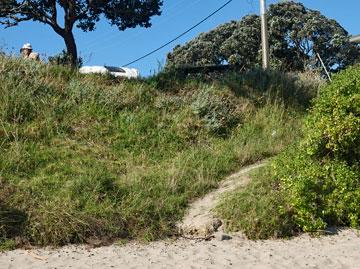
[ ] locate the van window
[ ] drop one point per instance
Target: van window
(115, 69)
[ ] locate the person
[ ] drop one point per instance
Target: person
(27, 52)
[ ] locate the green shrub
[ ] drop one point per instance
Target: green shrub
(333, 127)
(322, 193)
(315, 183)
(217, 109)
(322, 175)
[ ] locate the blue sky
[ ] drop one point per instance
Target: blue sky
(109, 46)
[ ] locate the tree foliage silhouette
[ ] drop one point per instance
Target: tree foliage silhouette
(83, 14)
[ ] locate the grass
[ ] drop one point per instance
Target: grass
(260, 210)
(91, 157)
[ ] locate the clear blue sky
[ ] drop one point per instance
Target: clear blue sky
(109, 46)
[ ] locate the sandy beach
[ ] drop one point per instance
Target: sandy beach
(341, 250)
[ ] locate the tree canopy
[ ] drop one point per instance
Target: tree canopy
(297, 34)
(83, 14)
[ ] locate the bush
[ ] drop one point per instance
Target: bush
(322, 193)
(322, 175)
(333, 128)
(217, 109)
(316, 182)
(63, 58)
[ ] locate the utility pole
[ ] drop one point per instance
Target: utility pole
(264, 35)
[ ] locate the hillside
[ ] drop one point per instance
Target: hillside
(86, 157)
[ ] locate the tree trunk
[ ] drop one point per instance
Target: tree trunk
(71, 48)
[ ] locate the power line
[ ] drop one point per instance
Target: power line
(181, 35)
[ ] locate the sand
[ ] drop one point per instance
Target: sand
(341, 250)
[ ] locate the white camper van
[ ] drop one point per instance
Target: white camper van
(112, 70)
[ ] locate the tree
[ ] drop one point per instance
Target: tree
(204, 49)
(297, 34)
(83, 14)
(242, 47)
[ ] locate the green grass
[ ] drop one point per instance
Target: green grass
(260, 210)
(89, 156)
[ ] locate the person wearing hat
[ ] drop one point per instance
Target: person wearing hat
(27, 53)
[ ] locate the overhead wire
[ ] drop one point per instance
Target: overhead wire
(180, 35)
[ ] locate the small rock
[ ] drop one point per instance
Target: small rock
(223, 237)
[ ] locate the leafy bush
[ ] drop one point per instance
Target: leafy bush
(316, 182)
(322, 177)
(333, 128)
(322, 193)
(217, 109)
(63, 58)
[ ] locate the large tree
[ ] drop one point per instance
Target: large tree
(297, 35)
(83, 14)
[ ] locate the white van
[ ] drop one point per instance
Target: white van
(112, 70)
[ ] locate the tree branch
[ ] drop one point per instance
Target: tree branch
(54, 12)
(14, 21)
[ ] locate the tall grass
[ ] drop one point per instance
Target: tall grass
(89, 156)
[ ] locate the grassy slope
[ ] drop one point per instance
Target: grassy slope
(260, 210)
(85, 157)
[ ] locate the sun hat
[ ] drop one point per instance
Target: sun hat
(26, 46)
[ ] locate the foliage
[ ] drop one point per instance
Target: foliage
(91, 157)
(333, 129)
(297, 34)
(241, 48)
(324, 179)
(317, 180)
(205, 49)
(79, 13)
(322, 193)
(217, 109)
(65, 59)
